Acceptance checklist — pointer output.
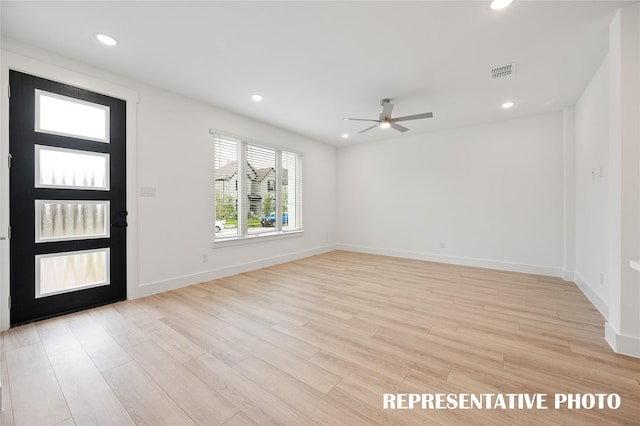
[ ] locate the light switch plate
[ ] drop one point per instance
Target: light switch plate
(147, 191)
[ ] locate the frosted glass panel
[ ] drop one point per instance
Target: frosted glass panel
(61, 115)
(70, 168)
(71, 220)
(65, 272)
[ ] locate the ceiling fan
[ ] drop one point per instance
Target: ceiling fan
(385, 121)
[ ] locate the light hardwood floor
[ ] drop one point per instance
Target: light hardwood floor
(319, 341)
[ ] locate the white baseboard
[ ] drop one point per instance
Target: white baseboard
(568, 276)
(626, 345)
(456, 260)
(587, 289)
(148, 289)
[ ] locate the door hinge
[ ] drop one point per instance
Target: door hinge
(9, 160)
(9, 90)
(9, 232)
(9, 302)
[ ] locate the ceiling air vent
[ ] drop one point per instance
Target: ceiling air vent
(503, 71)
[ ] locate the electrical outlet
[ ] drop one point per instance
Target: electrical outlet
(205, 258)
(601, 279)
(442, 245)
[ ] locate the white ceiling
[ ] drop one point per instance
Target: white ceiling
(317, 62)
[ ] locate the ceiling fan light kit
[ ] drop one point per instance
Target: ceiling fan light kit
(385, 121)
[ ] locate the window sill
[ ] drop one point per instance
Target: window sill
(251, 239)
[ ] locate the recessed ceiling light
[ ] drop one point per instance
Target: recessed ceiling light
(256, 98)
(106, 39)
(508, 105)
(345, 135)
(500, 4)
(385, 125)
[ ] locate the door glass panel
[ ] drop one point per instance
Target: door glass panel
(70, 168)
(64, 272)
(71, 220)
(61, 115)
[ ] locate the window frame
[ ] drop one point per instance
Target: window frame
(242, 198)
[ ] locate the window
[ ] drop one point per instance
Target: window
(72, 169)
(226, 185)
(58, 273)
(258, 189)
(61, 115)
(58, 220)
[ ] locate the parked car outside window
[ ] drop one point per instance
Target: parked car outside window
(270, 220)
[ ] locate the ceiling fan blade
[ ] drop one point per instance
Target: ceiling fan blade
(414, 117)
(398, 127)
(359, 119)
(386, 110)
(369, 128)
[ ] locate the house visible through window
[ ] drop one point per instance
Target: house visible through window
(258, 190)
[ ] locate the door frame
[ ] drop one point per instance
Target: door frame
(37, 68)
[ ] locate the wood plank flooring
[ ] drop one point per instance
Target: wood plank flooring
(319, 341)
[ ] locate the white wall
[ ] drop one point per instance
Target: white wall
(493, 194)
(569, 216)
(174, 154)
(622, 330)
(591, 188)
(607, 213)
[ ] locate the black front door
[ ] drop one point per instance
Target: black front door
(67, 194)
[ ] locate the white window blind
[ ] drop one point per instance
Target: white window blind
(226, 183)
(262, 204)
(291, 191)
(258, 189)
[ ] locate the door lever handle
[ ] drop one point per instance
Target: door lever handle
(120, 224)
